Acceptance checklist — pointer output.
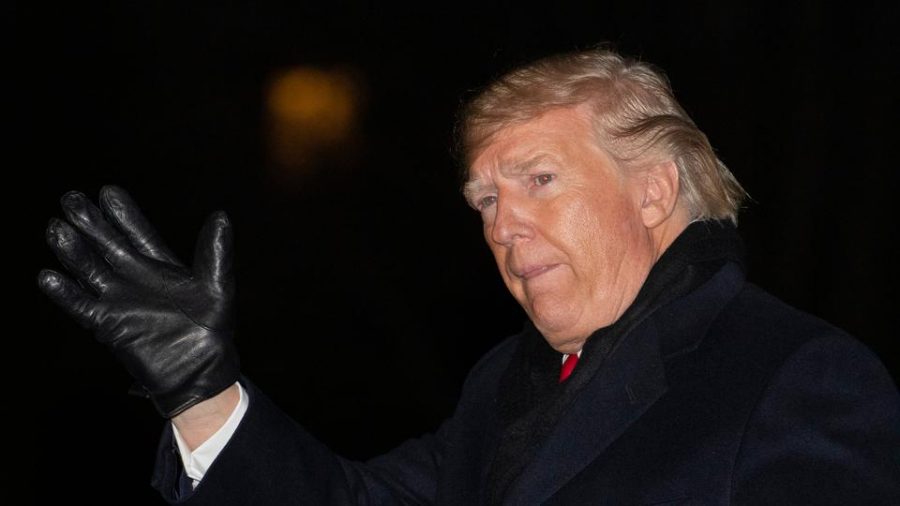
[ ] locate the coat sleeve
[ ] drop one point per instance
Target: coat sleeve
(825, 431)
(271, 459)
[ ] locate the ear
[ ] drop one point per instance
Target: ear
(660, 193)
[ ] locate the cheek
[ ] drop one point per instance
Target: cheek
(599, 232)
(583, 222)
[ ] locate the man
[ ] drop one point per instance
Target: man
(650, 372)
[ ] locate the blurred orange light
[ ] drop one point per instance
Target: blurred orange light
(311, 111)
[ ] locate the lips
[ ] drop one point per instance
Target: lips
(532, 271)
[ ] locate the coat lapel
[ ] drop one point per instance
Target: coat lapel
(629, 382)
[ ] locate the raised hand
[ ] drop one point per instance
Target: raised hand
(170, 325)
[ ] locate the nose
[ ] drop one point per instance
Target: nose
(510, 223)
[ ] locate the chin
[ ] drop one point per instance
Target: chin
(562, 336)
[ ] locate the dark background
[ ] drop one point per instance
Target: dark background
(368, 259)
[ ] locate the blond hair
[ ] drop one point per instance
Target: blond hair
(635, 115)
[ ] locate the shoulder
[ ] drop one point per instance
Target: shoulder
(482, 382)
(817, 353)
(491, 365)
(765, 313)
(766, 353)
(825, 423)
(816, 413)
(762, 327)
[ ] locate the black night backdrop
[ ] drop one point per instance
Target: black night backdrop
(365, 290)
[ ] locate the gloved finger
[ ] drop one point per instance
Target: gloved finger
(73, 250)
(213, 256)
(66, 293)
(118, 205)
(111, 244)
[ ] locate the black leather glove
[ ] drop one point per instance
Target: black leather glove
(170, 325)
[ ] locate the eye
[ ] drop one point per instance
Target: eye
(543, 179)
(486, 202)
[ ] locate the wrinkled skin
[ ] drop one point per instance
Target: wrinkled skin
(170, 325)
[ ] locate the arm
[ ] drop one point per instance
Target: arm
(826, 431)
(171, 327)
(271, 459)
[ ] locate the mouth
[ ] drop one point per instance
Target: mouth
(532, 271)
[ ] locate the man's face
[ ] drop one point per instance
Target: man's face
(564, 224)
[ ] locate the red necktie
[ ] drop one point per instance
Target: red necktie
(568, 366)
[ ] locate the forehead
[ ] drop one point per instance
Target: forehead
(552, 134)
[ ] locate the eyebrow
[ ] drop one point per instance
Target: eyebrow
(474, 186)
